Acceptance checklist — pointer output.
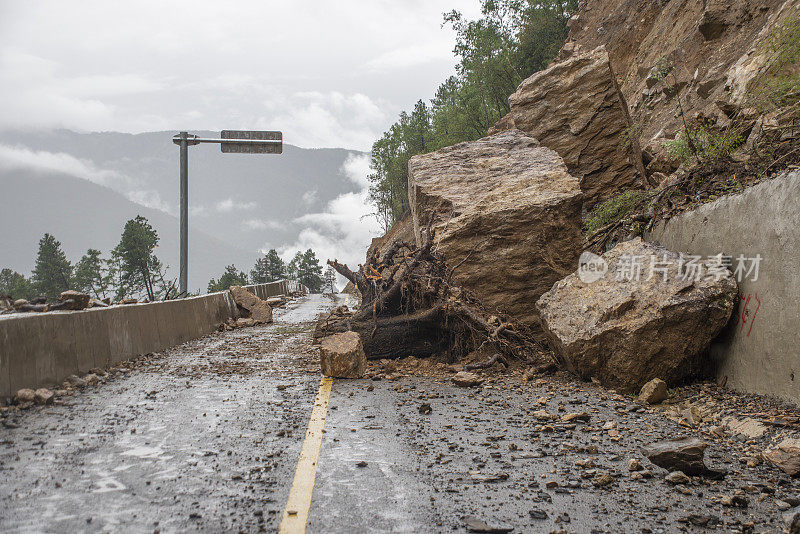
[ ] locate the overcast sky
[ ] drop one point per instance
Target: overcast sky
(326, 73)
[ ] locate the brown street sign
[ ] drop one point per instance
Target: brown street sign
(250, 147)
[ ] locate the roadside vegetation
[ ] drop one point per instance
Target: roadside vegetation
(132, 270)
(509, 42)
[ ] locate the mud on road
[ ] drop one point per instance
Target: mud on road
(205, 437)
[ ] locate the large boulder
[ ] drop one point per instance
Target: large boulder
(251, 306)
(641, 313)
(576, 108)
(342, 356)
(505, 213)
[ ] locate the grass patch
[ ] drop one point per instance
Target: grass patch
(612, 210)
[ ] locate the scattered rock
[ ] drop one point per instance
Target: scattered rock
(361, 463)
(20, 303)
(785, 456)
(501, 208)
(91, 379)
(626, 327)
(684, 455)
(425, 408)
(475, 524)
(465, 379)
(734, 501)
(677, 477)
(244, 322)
(25, 395)
(537, 514)
(79, 301)
(251, 306)
(575, 107)
(75, 381)
(748, 427)
(792, 520)
(128, 301)
(342, 356)
(43, 396)
(654, 392)
(635, 465)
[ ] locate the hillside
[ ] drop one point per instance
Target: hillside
(87, 184)
(82, 214)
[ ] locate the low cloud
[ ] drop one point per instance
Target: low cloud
(261, 224)
(345, 228)
(17, 157)
(409, 56)
(228, 205)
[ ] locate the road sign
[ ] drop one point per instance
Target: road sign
(232, 141)
(276, 147)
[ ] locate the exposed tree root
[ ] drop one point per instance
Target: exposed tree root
(410, 307)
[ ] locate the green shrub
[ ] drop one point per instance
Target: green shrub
(612, 210)
(703, 143)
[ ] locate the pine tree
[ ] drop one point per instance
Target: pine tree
(330, 280)
(293, 269)
(140, 269)
(91, 274)
(270, 268)
(53, 272)
(231, 277)
(15, 285)
(309, 271)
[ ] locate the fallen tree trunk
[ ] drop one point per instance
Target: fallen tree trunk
(410, 307)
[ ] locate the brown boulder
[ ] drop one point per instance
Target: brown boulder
(43, 396)
(342, 356)
(576, 108)
(251, 306)
(25, 395)
(626, 328)
(685, 455)
(80, 301)
(654, 392)
(465, 379)
(785, 456)
(505, 212)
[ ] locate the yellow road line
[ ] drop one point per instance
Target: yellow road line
(295, 515)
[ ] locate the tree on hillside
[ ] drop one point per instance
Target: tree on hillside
(140, 270)
(270, 268)
(53, 272)
(91, 274)
(15, 285)
(231, 277)
(309, 271)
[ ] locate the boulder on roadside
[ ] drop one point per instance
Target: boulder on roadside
(80, 301)
(342, 356)
(504, 212)
(575, 107)
(785, 456)
(43, 396)
(251, 306)
(653, 392)
(25, 395)
(685, 455)
(465, 379)
(641, 313)
(244, 322)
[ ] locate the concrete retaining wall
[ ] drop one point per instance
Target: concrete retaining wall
(42, 349)
(759, 352)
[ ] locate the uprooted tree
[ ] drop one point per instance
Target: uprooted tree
(410, 306)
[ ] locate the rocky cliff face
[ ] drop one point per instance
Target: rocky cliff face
(709, 46)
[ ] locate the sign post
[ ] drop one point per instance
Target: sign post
(230, 141)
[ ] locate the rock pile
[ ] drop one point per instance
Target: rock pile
(250, 306)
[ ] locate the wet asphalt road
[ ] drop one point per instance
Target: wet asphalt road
(205, 437)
